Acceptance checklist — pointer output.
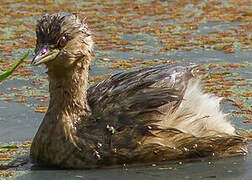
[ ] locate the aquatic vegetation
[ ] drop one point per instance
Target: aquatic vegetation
(9, 152)
(135, 34)
(216, 34)
(12, 69)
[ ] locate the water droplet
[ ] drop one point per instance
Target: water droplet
(110, 129)
(99, 145)
(174, 148)
(149, 127)
(125, 167)
(138, 143)
(114, 150)
(96, 153)
(186, 149)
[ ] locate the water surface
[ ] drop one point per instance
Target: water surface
(131, 35)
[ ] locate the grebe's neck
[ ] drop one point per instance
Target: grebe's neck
(68, 92)
(68, 101)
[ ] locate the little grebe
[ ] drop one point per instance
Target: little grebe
(148, 115)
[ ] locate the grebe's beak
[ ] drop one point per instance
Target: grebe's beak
(44, 55)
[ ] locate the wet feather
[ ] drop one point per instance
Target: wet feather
(148, 115)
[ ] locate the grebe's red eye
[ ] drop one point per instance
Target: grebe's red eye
(62, 41)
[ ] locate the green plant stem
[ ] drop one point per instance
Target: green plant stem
(8, 72)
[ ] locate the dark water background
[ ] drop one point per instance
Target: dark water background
(215, 34)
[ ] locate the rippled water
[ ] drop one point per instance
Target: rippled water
(132, 35)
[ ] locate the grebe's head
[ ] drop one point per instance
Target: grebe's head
(63, 42)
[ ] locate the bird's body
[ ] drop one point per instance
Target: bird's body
(148, 115)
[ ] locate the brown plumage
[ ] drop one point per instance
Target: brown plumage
(148, 115)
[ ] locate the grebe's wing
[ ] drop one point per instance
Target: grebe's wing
(119, 99)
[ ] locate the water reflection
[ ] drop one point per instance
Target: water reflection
(224, 169)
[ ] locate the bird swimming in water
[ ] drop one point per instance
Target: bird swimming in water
(148, 115)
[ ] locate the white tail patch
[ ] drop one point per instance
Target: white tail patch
(199, 113)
